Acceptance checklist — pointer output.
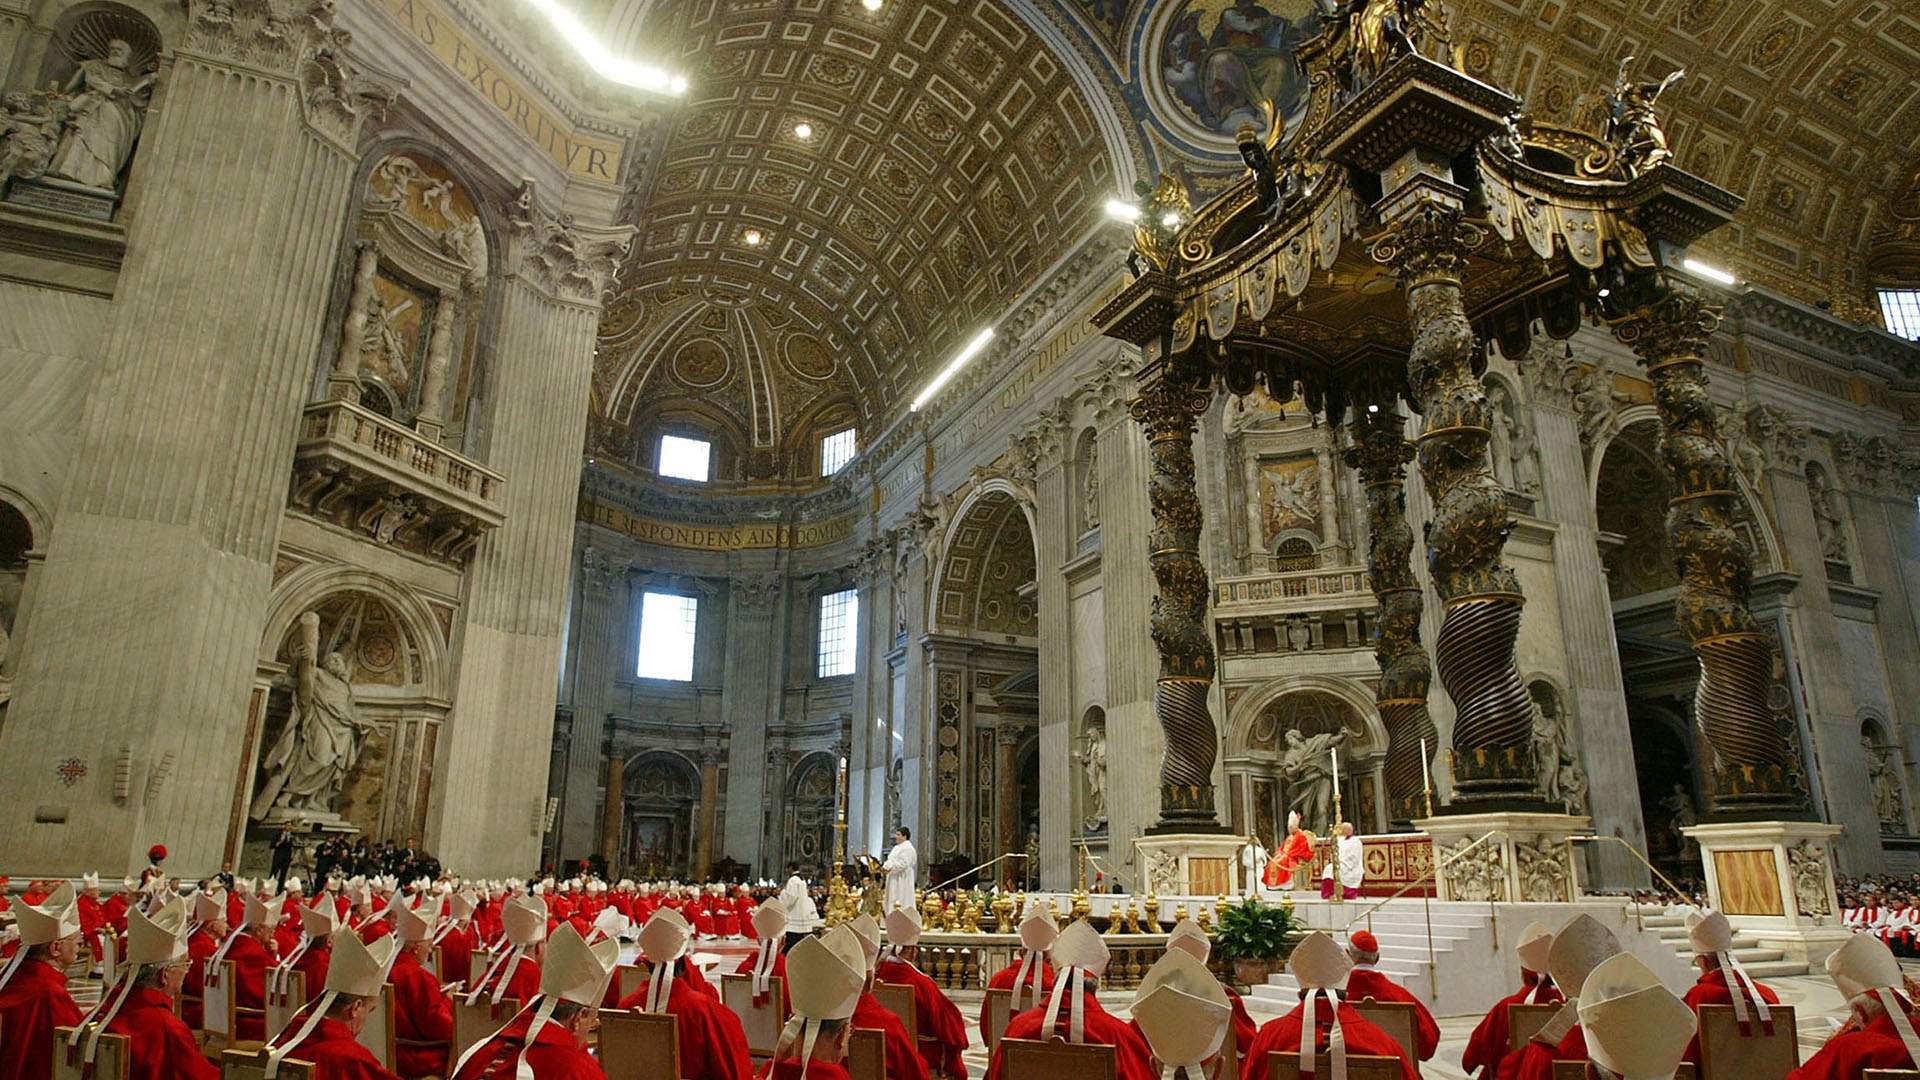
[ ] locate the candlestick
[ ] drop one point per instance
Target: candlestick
(1334, 753)
(1426, 776)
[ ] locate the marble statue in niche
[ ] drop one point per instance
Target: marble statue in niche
(1513, 443)
(106, 104)
(1090, 513)
(1307, 765)
(308, 763)
(1553, 758)
(1826, 516)
(29, 134)
(1093, 764)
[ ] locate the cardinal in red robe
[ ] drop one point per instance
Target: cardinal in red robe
(1367, 982)
(1880, 1030)
(942, 1031)
(34, 1000)
(713, 1045)
(1296, 851)
(1488, 1043)
(1081, 958)
(423, 1015)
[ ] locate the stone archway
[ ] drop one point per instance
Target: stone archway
(659, 793)
(1263, 728)
(809, 843)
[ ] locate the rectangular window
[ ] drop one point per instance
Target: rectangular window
(1901, 309)
(685, 459)
(835, 451)
(839, 613)
(666, 636)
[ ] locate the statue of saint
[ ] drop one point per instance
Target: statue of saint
(1307, 764)
(106, 108)
(1550, 750)
(1634, 127)
(1093, 759)
(323, 736)
(1886, 791)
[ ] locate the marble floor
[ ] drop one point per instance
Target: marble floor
(1817, 1008)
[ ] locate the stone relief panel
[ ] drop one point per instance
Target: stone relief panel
(1289, 498)
(65, 145)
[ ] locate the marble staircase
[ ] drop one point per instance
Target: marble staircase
(1761, 962)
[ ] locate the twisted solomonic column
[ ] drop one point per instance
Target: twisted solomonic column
(1166, 409)
(1754, 766)
(1380, 452)
(1493, 724)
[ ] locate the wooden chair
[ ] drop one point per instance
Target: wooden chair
(109, 1057)
(1686, 1071)
(1725, 1054)
(217, 1023)
(1524, 1020)
(110, 972)
(472, 1023)
(1057, 1059)
(230, 978)
(252, 1065)
(867, 1054)
(1285, 1065)
(629, 978)
(377, 1035)
(762, 1023)
(898, 1000)
(999, 1015)
(282, 1005)
(1890, 1074)
(1400, 1019)
(639, 1046)
(1572, 1070)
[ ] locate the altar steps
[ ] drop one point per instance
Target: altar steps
(1761, 962)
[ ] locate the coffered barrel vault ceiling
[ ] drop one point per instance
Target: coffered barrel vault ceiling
(955, 156)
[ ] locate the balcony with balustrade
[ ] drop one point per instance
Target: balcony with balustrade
(382, 480)
(1293, 611)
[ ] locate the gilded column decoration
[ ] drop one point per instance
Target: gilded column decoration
(1474, 653)
(1167, 409)
(1381, 452)
(1753, 764)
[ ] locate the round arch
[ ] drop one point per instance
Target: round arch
(306, 587)
(1767, 554)
(39, 522)
(1355, 695)
(979, 510)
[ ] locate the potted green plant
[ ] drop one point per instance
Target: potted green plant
(1257, 937)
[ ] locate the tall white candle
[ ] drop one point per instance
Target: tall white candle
(1426, 776)
(1334, 753)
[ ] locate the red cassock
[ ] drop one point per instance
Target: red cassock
(743, 906)
(236, 909)
(93, 916)
(702, 920)
(1284, 1034)
(422, 1013)
(116, 912)
(522, 985)
(1133, 1059)
(713, 1045)
(456, 954)
(1244, 1029)
(286, 936)
(1003, 980)
(160, 1046)
(1297, 849)
(32, 1004)
(1534, 1061)
(314, 964)
(789, 1069)
(1363, 984)
(779, 974)
(554, 1055)
(200, 948)
(335, 1054)
(250, 964)
(1488, 1043)
(1849, 1054)
(942, 1031)
(373, 930)
(903, 1058)
(1712, 989)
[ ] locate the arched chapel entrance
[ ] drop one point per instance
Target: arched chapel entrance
(1280, 750)
(660, 792)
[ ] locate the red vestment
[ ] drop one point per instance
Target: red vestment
(1365, 983)
(1284, 1034)
(334, 1052)
(93, 916)
(1850, 1053)
(160, 1046)
(250, 964)
(1296, 851)
(942, 1031)
(523, 983)
(116, 912)
(713, 1045)
(1712, 989)
(456, 955)
(1132, 1059)
(422, 1013)
(903, 1058)
(1488, 1043)
(373, 930)
(1003, 980)
(778, 974)
(554, 1055)
(32, 1004)
(1534, 1061)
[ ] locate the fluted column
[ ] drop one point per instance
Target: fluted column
(149, 607)
(1054, 542)
(749, 700)
(703, 828)
(1752, 766)
(1381, 452)
(554, 273)
(599, 617)
(1166, 409)
(613, 804)
(1134, 740)
(1480, 623)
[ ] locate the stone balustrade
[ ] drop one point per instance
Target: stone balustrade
(363, 472)
(1294, 611)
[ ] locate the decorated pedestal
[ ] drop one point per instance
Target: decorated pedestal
(1774, 880)
(1529, 857)
(1189, 864)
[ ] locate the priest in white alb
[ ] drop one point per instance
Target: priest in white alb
(901, 866)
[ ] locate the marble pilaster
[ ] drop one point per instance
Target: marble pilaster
(601, 604)
(184, 446)
(707, 813)
(1887, 527)
(1134, 740)
(1054, 544)
(749, 699)
(555, 272)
